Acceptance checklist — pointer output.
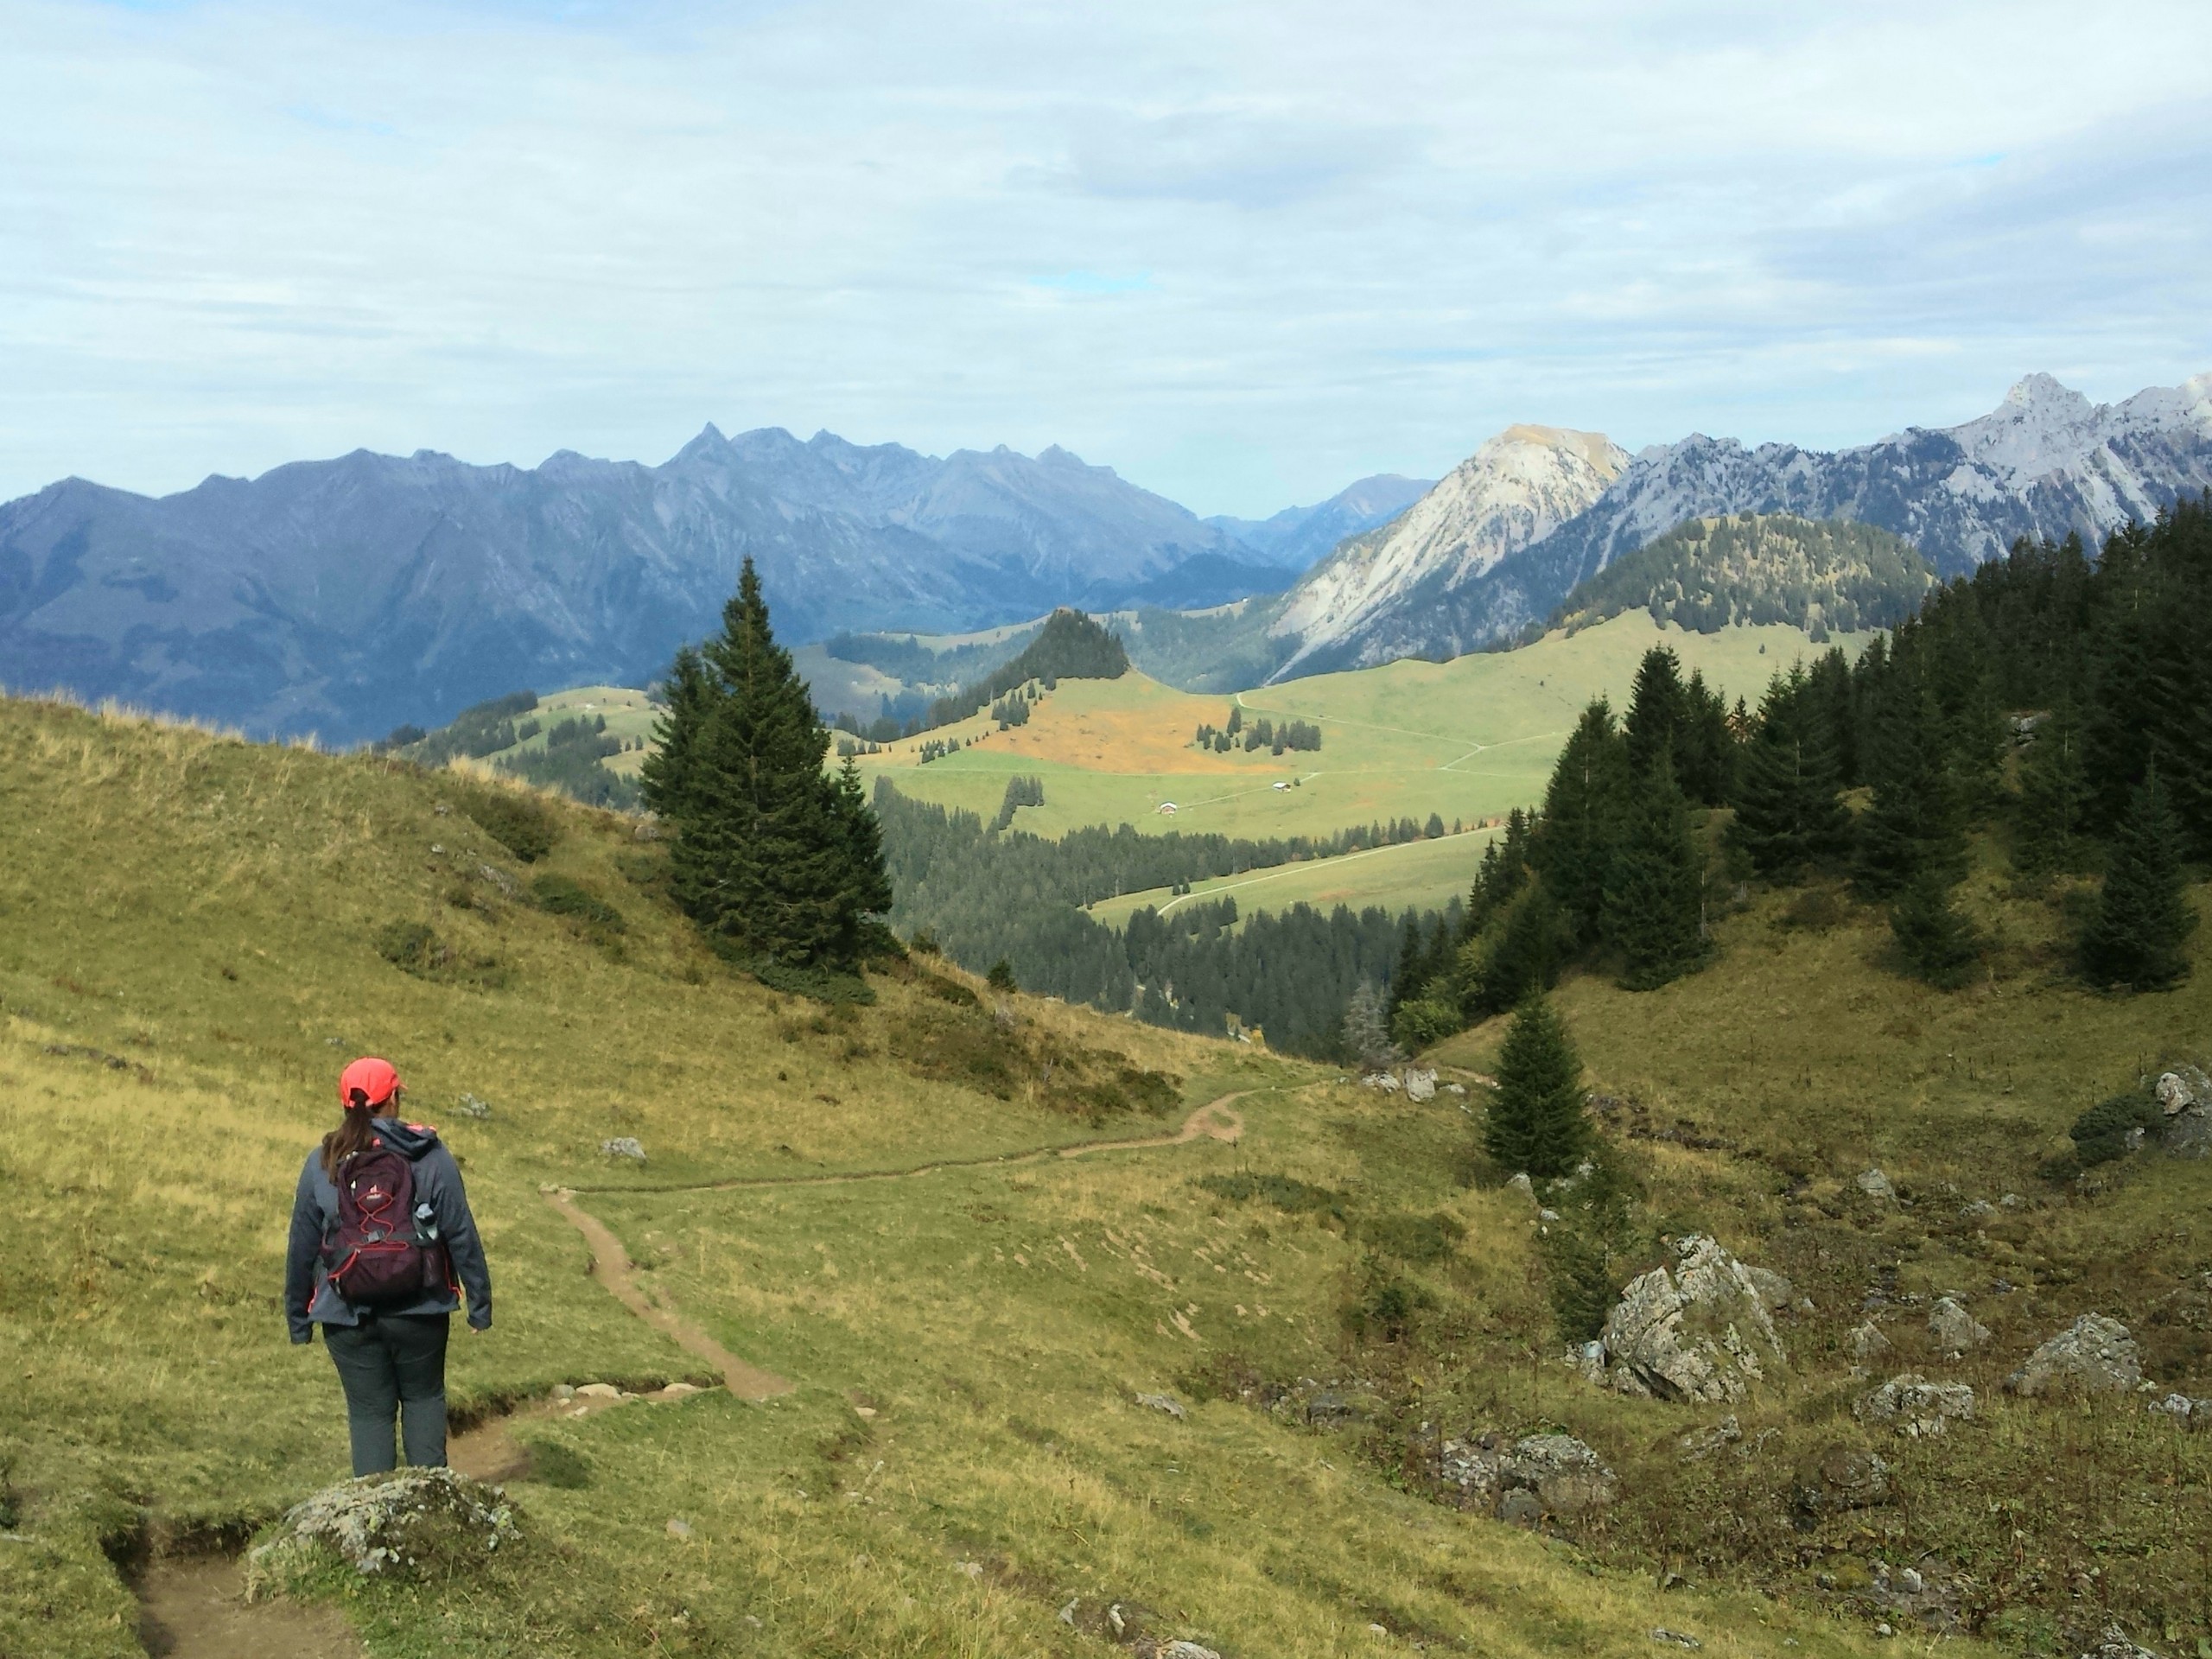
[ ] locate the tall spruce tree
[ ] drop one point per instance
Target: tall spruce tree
(1537, 1124)
(1917, 822)
(2143, 917)
(1585, 812)
(1655, 893)
(1659, 711)
(778, 862)
(2054, 793)
(1789, 814)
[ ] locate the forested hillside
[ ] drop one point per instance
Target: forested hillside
(1827, 575)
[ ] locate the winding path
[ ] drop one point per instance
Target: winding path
(1217, 1119)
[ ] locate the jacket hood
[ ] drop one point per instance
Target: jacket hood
(410, 1141)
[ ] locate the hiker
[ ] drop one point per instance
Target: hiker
(380, 1228)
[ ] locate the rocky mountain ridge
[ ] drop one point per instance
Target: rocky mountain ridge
(2045, 462)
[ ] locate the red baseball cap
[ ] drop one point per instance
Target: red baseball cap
(373, 1080)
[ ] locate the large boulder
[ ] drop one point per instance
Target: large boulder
(1838, 1478)
(413, 1522)
(1700, 1331)
(1914, 1406)
(2095, 1355)
(1537, 1476)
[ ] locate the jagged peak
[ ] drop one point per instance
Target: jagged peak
(2041, 391)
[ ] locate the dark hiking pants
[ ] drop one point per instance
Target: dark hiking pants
(392, 1364)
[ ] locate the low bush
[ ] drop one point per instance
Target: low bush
(1286, 1192)
(560, 896)
(525, 826)
(2113, 1127)
(415, 948)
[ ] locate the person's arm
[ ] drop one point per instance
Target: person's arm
(464, 1247)
(301, 1251)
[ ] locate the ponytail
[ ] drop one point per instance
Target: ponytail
(356, 1131)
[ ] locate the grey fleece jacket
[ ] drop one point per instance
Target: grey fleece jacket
(309, 1299)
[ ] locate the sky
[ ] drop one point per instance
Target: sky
(1243, 252)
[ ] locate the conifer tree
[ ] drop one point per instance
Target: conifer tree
(1940, 945)
(1917, 823)
(1659, 710)
(1654, 893)
(1519, 951)
(1790, 816)
(2143, 917)
(778, 862)
(2054, 793)
(1537, 1124)
(1585, 810)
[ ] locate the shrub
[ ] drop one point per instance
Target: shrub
(924, 942)
(1414, 1238)
(1285, 1192)
(415, 948)
(2103, 1133)
(560, 896)
(1424, 1022)
(948, 990)
(525, 826)
(1001, 978)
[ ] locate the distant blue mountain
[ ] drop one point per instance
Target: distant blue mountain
(347, 597)
(1295, 537)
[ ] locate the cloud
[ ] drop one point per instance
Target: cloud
(1244, 251)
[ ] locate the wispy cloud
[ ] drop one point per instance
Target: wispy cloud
(1244, 250)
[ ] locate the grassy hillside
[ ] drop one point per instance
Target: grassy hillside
(1466, 741)
(193, 935)
(1417, 875)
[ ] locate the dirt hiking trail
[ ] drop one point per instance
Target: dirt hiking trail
(194, 1607)
(1217, 1119)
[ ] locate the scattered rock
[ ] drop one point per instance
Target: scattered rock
(624, 1145)
(2012, 1201)
(1774, 1289)
(1839, 1478)
(1704, 1442)
(1547, 1215)
(2095, 1355)
(646, 829)
(1700, 1332)
(2177, 1092)
(1459, 1090)
(428, 1521)
(494, 876)
(2189, 1413)
(599, 1391)
(1524, 1186)
(1977, 1210)
(1183, 1651)
(1875, 1185)
(1166, 1402)
(473, 1106)
(562, 1391)
(678, 1528)
(1327, 1407)
(1675, 1639)
(2184, 1098)
(679, 1390)
(1867, 1344)
(1420, 1083)
(2116, 1645)
(1386, 1081)
(1533, 1477)
(1954, 1329)
(1915, 1407)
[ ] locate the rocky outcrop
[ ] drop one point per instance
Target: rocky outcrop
(1838, 1478)
(2095, 1355)
(1953, 1330)
(1535, 1477)
(1698, 1331)
(1876, 1185)
(413, 1522)
(2184, 1097)
(1915, 1406)
(1866, 1344)
(624, 1145)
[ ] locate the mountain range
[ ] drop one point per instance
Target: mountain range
(1496, 547)
(349, 596)
(352, 595)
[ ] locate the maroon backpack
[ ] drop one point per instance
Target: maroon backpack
(383, 1257)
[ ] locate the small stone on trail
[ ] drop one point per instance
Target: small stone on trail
(1676, 1638)
(1875, 1185)
(624, 1145)
(599, 1391)
(678, 1528)
(1166, 1402)
(1524, 1186)
(677, 1391)
(562, 1391)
